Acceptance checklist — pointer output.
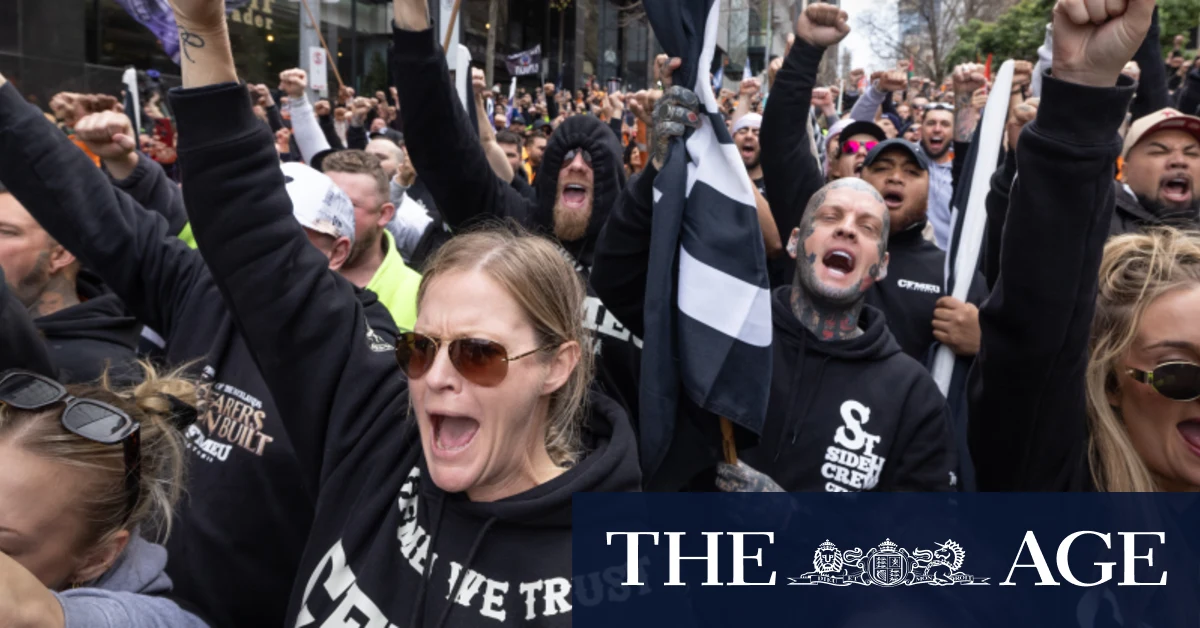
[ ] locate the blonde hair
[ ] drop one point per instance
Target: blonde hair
(104, 503)
(542, 280)
(1135, 271)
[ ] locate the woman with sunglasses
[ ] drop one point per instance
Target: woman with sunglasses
(83, 470)
(1089, 373)
(444, 467)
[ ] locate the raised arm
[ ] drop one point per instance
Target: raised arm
(1028, 428)
(441, 143)
(109, 136)
(791, 171)
(303, 323)
(131, 248)
(487, 135)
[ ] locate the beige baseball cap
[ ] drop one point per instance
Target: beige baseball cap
(1161, 120)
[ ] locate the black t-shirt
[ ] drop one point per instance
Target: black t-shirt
(761, 184)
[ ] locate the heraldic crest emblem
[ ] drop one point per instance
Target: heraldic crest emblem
(889, 565)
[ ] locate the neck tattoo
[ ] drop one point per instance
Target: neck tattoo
(827, 322)
(58, 295)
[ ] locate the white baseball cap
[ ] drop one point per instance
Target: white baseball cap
(317, 202)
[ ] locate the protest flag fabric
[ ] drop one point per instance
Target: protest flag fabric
(526, 62)
(708, 314)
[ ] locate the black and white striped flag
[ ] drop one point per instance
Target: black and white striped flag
(708, 310)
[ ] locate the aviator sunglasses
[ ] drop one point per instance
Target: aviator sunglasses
(1179, 381)
(481, 362)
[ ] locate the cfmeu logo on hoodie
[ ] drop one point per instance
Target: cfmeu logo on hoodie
(888, 565)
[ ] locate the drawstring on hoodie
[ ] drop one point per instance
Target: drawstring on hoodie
(418, 612)
(487, 525)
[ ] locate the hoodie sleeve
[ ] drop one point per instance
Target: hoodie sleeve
(865, 107)
(97, 608)
(129, 247)
(150, 187)
(623, 252)
(441, 139)
(303, 323)
(1152, 92)
(996, 206)
(1028, 428)
(306, 130)
(21, 346)
(792, 175)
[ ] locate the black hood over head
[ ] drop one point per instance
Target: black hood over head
(608, 177)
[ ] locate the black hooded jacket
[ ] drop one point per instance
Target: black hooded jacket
(21, 346)
(446, 153)
(97, 334)
(387, 546)
(239, 531)
(851, 415)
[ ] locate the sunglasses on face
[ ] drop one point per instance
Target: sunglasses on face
(570, 156)
(1179, 381)
(481, 362)
(852, 147)
(96, 421)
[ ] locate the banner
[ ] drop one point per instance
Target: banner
(954, 560)
(526, 62)
(318, 73)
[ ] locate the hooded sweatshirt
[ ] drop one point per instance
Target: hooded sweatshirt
(851, 415)
(86, 339)
(241, 527)
(387, 546)
(1028, 400)
(21, 346)
(446, 153)
(129, 595)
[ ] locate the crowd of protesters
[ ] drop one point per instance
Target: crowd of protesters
(269, 360)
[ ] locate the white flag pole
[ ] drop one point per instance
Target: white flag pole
(970, 241)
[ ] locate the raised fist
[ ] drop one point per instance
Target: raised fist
(1022, 73)
(322, 108)
(822, 25)
(749, 87)
(1094, 39)
(108, 134)
(775, 66)
(359, 110)
(478, 81)
(822, 98)
(293, 82)
(895, 81)
(1133, 70)
(1018, 117)
(968, 77)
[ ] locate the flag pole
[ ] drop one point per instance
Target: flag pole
(332, 61)
(728, 443)
(450, 24)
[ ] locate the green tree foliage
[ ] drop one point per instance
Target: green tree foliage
(1020, 30)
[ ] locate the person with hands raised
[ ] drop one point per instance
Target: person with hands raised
(1088, 376)
(834, 359)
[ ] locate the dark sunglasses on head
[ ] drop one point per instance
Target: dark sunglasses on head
(570, 156)
(1179, 381)
(481, 362)
(938, 106)
(850, 147)
(92, 420)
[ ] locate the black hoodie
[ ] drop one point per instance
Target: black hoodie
(387, 546)
(1029, 427)
(818, 388)
(86, 339)
(239, 531)
(851, 415)
(21, 346)
(446, 153)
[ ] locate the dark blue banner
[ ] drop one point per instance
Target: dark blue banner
(894, 560)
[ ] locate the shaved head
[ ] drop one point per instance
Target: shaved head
(852, 183)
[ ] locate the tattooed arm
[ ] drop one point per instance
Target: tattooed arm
(742, 478)
(968, 77)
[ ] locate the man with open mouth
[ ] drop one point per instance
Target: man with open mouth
(1162, 163)
(913, 295)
